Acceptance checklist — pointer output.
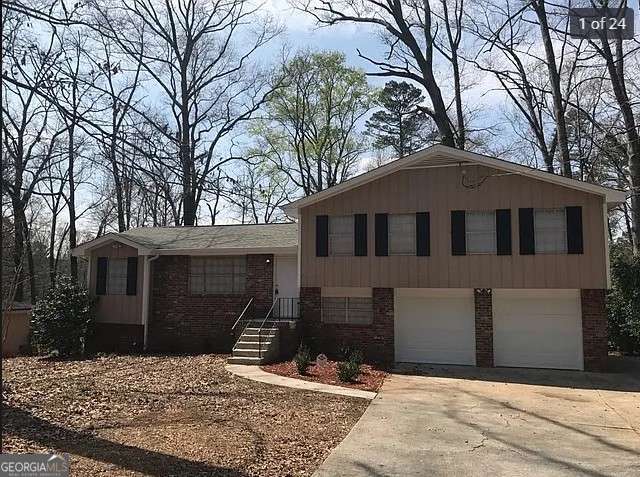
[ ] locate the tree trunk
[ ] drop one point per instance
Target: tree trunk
(73, 261)
(615, 68)
(556, 92)
(18, 248)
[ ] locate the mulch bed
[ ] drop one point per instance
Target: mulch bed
(168, 415)
(370, 378)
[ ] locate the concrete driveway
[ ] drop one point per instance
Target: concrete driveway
(465, 421)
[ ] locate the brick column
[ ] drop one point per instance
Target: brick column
(383, 341)
(484, 327)
(594, 329)
(310, 298)
(260, 281)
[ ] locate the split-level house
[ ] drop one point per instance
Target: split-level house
(444, 256)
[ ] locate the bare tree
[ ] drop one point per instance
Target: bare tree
(613, 52)
(29, 135)
(258, 192)
(417, 34)
(189, 49)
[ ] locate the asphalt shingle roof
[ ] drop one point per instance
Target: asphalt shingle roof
(215, 237)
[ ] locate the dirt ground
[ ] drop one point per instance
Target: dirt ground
(158, 415)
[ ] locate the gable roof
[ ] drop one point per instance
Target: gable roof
(441, 156)
(215, 239)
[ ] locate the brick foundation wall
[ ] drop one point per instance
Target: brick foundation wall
(180, 322)
(594, 329)
(483, 299)
(116, 338)
(376, 340)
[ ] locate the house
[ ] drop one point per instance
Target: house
(444, 256)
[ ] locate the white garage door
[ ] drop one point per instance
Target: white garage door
(537, 328)
(434, 326)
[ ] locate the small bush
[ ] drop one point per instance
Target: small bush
(356, 356)
(348, 371)
(623, 303)
(350, 353)
(62, 320)
(302, 359)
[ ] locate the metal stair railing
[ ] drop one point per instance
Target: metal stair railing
(288, 308)
(262, 326)
(240, 319)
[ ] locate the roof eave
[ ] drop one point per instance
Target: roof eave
(290, 250)
(84, 249)
(612, 196)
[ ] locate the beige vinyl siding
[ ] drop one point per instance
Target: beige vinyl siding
(117, 308)
(439, 191)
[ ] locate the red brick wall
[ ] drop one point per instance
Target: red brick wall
(116, 338)
(376, 340)
(594, 329)
(484, 327)
(180, 322)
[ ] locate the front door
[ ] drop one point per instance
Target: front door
(285, 285)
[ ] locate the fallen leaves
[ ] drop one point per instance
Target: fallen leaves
(168, 415)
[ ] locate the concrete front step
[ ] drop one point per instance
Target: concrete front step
(249, 353)
(245, 360)
(264, 331)
(253, 344)
(256, 338)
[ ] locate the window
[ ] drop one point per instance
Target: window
(480, 229)
(402, 234)
(550, 230)
(217, 275)
(341, 235)
(117, 276)
(347, 310)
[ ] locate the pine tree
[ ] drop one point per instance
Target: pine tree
(401, 125)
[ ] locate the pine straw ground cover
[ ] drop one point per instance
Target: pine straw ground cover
(158, 415)
(369, 379)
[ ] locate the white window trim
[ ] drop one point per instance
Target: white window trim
(204, 276)
(565, 249)
(491, 213)
(346, 311)
(110, 261)
(412, 235)
(350, 235)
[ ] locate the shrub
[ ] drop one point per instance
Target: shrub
(62, 319)
(349, 353)
(302, 359)
(348, 371)
(356, 356)
(623, 302)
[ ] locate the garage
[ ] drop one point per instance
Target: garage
(537, 329)
(434, 326)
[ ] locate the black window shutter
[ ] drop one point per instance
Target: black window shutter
(132, 275)
(322, 236)
(458, 233)
(527, 234)
(574, 230)
(382, 235)
(360, 235)
(423, 243)
(101, 276)
(503, 231)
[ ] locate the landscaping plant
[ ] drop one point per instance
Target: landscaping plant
(349, 370)
(62, 319)
(302, 359)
